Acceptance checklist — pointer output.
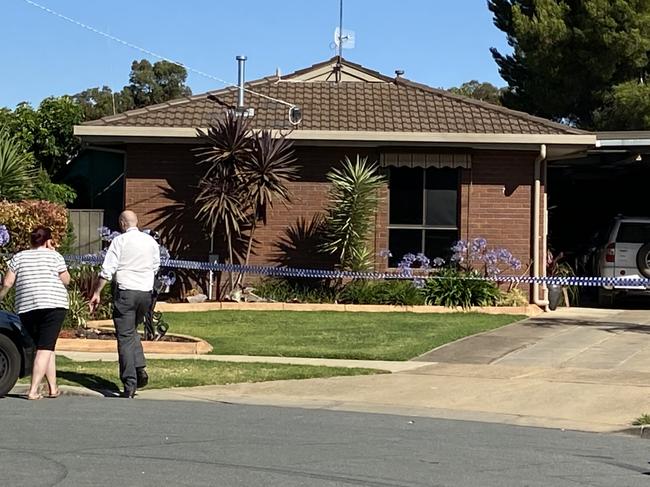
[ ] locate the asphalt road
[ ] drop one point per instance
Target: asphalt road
(79, 441)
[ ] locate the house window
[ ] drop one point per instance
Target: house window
(423, 213)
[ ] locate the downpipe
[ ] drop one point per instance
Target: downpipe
(539, 264)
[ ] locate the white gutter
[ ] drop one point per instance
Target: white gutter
(539, 264)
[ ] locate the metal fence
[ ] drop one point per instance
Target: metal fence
(85, 224)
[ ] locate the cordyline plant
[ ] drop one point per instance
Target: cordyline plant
(247, 172)
(353, 200)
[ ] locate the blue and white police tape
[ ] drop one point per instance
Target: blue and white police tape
(405, 274)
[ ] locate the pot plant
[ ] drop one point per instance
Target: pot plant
(557, 266)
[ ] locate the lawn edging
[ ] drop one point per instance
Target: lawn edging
(530, 310)
(197, 346)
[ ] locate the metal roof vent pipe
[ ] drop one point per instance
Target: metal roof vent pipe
(398, 74)
(241, 79)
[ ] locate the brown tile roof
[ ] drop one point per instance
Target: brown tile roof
(385, 105)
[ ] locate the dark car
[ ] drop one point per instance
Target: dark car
(16, 351)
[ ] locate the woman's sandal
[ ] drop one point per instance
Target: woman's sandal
(54, 395)
(34, 398)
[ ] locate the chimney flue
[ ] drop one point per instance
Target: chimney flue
(399, 73)
(241, 63)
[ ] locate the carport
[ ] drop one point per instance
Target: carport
(586, 191)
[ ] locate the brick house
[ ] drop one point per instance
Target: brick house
(456, 167)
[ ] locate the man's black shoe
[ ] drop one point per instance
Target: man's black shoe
(142, 376)
(129, 392)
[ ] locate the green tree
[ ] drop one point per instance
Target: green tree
(569, 55)
(150, 84)
(101, 102)
(479, 91)
(46, 132)
(627, 107)
(45, 190)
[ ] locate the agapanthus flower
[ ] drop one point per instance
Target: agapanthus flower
(4, 236)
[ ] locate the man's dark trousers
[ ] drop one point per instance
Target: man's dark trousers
(129, 308)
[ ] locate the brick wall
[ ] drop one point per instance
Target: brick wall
(497, 201)
(160, 184)
(309, 198)
(160, 181)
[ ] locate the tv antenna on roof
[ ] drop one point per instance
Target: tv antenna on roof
(343, 39)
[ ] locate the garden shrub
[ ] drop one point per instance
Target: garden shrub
(20, 218)
(465, 288)
(394, 292)
(296, 290)
(513, 297)
(78, 310)
(83, 280)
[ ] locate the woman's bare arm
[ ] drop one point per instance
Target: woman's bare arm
(65, 277)
(10, 279)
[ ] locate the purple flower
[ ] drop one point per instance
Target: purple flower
(424, 261)
(4, 236)
(478, 245)
(385, 253)
(418, 282)
(406, 261)
(104, 232)
(438, 262)
(168, 279)
(164, 253)
(459, 247)
(477, 255)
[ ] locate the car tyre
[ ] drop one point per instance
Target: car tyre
(9, 364)
(643, 260)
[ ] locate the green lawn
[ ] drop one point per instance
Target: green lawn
(103, 376)
(370, 336)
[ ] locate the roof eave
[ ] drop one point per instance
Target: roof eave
(127, 134)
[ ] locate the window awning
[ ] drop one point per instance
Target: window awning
(425, 159)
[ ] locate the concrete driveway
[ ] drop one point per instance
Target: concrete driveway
(607, 340)
(578, 369)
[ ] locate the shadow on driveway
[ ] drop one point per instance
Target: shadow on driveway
(92, 382)
(612, 327)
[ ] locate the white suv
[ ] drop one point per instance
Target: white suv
(626, 254)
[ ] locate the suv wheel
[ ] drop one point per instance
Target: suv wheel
(643, 260)
(9, 364)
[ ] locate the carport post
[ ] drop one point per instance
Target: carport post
(539, 264)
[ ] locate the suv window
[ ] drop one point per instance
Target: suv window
(634, 232)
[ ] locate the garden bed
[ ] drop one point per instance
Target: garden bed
(100, 339)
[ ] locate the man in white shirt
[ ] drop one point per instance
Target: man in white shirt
(132, 260)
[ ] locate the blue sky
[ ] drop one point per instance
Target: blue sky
(441, 43)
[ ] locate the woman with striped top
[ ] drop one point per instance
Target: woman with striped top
(41, 277)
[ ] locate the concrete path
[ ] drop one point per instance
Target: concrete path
(576, 369)
(388, 365)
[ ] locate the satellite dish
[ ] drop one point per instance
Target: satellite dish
(295, 115)
(345, 37)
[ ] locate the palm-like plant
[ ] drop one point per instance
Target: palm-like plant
(265, 176)
(229, 143)
(16, 170)
(247, 172)
(354, 197)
